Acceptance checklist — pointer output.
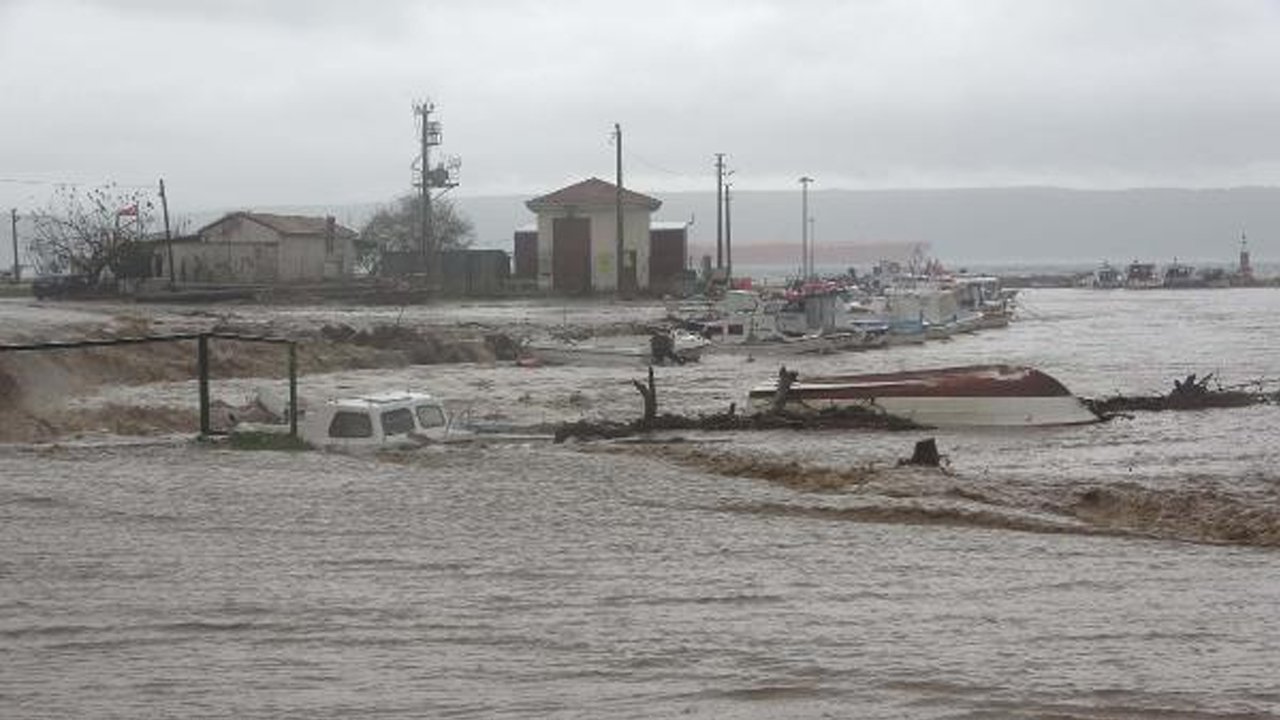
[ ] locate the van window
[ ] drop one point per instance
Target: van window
(397, 422)
(430, 416)
(348, 424)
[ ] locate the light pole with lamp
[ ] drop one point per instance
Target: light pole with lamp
(804, 226)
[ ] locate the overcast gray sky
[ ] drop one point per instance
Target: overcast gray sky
(262, 102)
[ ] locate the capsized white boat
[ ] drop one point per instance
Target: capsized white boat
(976, 395)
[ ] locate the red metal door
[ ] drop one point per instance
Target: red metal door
(666, 260)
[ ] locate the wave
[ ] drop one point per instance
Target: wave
(920, 496)
(1203, 515)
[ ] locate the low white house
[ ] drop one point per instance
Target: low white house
(577, 237)
(251, 247)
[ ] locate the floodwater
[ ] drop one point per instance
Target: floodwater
(1122, 570)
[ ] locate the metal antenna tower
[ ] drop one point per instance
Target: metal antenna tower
(426, 177)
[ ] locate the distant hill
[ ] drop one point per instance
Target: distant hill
(1015, 226)
(996, 226)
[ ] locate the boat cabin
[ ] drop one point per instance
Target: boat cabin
(386, 420)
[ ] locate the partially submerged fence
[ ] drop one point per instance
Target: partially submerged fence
(202, 362)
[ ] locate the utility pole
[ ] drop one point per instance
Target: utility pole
(425, 235)
(440, 176)
(618, 249)
(728, 230)
(719, 210)
(17, 266)
(804, 226)
(168, 238)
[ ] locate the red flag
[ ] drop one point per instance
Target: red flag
(130, 210)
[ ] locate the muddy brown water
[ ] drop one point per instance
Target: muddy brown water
(1112, 571)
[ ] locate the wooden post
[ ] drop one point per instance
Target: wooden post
(202, 369)
(168, 237)
(650, 395)
(293, 389)
(17, 266)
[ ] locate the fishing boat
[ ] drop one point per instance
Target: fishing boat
(809, 344)
(977, 395)
(679, 347)
(1106, 277)
(1141, 276)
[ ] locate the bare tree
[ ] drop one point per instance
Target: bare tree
(395, 229)
(88, 232)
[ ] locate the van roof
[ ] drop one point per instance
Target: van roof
(389, 398)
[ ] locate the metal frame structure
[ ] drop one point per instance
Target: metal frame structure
(202, 362)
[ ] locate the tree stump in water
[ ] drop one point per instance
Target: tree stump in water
(785, 379)
(926, 453)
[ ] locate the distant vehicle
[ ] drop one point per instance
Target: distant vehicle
(55, 286)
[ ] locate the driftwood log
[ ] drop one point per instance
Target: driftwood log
(772, 419)
(1190, 393)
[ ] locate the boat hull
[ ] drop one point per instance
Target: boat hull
(978, 396)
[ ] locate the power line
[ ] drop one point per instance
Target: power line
(72, 183)
(654, 166)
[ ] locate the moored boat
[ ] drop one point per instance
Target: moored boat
(977, 395)
(679, 347)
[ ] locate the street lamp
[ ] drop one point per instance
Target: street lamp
(804, 226)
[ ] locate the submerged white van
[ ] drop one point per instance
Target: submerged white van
(374, 421)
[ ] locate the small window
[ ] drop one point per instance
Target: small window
(397, 422)
(430, 416)
(348, 424)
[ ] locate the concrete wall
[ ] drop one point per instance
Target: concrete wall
(604, 232)
(222, 262)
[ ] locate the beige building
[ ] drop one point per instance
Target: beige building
(250, 247)
(577, 237)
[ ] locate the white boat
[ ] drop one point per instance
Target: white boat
(979, 395)
(683, 347)
(1105, 277)
(812, 343)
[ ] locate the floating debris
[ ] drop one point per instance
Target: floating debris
(1190, 393)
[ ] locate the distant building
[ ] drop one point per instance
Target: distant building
(250, 247)
(573, 247)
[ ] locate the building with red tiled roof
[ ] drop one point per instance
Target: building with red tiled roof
(574, 247)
